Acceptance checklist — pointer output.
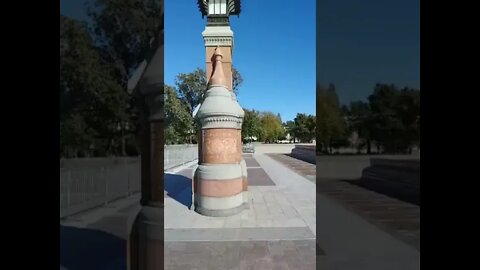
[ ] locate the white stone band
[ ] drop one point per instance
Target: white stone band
(243, 165)
(245, 196)
(218, 36)
(219, 171)
(219, 203)
(218, 41)
(222, 121)
(220, 109)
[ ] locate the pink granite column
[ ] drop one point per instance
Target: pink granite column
(219, 179)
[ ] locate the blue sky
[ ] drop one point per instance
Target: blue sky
(274, 50)
(74, 8)
(361, 43)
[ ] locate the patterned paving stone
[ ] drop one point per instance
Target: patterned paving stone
(238, 234)
(301, 167)
(398, 218)
(261, 255)
(258, 177)
(251, 162)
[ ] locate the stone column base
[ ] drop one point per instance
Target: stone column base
(218, 189)
(246, 203)
(146, 240)
(219, 213)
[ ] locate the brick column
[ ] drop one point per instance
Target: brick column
(222, 36)
(218, 180)
(145, 245)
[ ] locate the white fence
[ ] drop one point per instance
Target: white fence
(91, 182)
(176, 155)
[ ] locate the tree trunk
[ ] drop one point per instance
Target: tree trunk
(369, 147)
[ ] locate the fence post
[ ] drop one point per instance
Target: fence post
(183, 157)
(128, 181)
(166, 157)
(106, 184)
(69, 180)
(84, 188)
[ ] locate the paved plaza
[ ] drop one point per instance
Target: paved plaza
(276, 232)
(358, 228)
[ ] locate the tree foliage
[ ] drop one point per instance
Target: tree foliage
(290, 129)
(359, 120)
(124, 30)
(394, 115)
(178, 120)
(191, 87)
(97, 114)
(271, 127)
(92, 102)
(304, 127)
(252, 125)
(390, 119)
(330, 120)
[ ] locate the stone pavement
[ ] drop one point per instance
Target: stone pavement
(276, 232)
(360, 229)
(96, 239)
(301, 167)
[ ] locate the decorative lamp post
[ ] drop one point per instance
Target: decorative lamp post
(220, 181)
(145, 247)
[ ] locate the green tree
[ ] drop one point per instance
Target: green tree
(290, 129)
(92, 102)
(304, 127)
(272, 128)
(178, 120)
(331, 124)
(251, 126)
(408, 110)
(281, 129)
(360, 122)
(191, 87)
(124, 31)
(395, 117)
(237, 80)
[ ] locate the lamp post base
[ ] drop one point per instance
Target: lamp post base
(219, 213)
(146, 240)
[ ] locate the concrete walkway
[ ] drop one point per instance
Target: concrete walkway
(288, 202)
(277, 232)
(350, 242)
(359, 228)
(96, 239)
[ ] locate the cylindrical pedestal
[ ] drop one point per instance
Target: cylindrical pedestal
(146, 240)
(218, 189)
(243, 165)
(219, 178)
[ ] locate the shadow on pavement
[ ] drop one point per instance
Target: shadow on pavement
(179, 188)
(88, 249)
(302, 158)
(390, 192)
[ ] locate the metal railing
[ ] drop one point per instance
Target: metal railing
(88, 186)
(91, 182)
(176, 155)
